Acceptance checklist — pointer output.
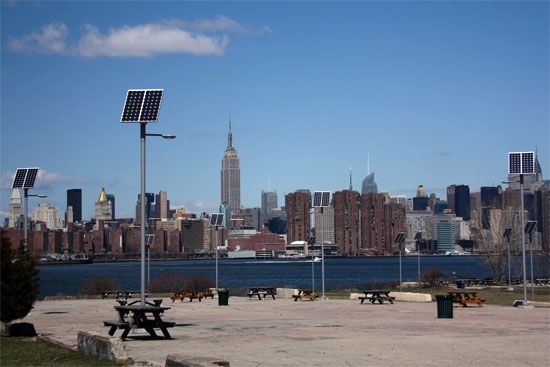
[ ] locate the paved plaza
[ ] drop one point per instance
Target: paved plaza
(331, 333)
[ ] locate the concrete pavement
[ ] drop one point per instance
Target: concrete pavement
(332, 333)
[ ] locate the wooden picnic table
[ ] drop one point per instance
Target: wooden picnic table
(465, 297)
(305, 294)
(146, 317)
(262, 291)
(374, 295)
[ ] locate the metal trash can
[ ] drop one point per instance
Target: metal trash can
(444, 306)
(223, 297)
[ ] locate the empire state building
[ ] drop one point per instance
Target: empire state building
(231, 176)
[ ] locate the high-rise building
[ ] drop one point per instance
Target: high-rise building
(369, 185)
(74, 199)
(491, 197)
(421, 200)
(162, 205)
(346, 205)
(103, 207)
(458, 199)
(48, 214)
(324, 222)
(111, 198)
(462, 201)
(149, 212)
(231, 176)
(15, 207)
(297, 215)
(269, 202)
(446, 234)
(381, 221)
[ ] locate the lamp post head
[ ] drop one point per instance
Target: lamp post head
(168, 136)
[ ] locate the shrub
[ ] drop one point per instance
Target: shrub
(98, 286)
(19, 282)
(432, 277)
(175, 282)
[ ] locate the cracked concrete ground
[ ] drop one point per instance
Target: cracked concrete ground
(331, 333)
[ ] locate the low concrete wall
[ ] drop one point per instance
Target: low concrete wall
(411, 297)
(98, 345)
(286, 293)
(179, 360)
(401, 296)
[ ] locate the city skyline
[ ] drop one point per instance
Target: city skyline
(309, 96)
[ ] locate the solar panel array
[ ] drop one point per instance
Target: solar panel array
(142, 105)
(418, 236)
(149, 239)
(507, 233)
(321, 199)
(521, 163)
(216, 219)
(24, 178)
(530, 227)
(399, 238)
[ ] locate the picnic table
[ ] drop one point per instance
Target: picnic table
(305, 294)
(146, 317)
(262, 291)
(542, 281)
(192, 294)
(374, 295)
(465, 297)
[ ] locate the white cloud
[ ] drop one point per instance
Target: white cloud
(198, 37)
(148, 40)
(50, 39)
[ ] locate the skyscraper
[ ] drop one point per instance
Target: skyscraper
(149, 212)
(111, 198)
(346, 205)
(297, 215)
(103, 207)
(231, 176)
(15, 207)
(369, 186)
(461, 201)
(162, 205)
(74, 199)
(269, 202)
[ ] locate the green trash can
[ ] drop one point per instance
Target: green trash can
(223, 297)
(444, 306)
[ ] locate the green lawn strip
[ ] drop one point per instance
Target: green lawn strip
(16, 351)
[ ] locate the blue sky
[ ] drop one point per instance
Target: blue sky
(436, 92)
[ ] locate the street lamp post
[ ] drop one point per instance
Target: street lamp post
(26, 195)
(507, 234)
(24, 178)
(142, 106)
(321, 199)
(216, 221)
(399, 241)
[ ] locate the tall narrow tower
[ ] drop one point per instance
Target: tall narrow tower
(231, 175)
(15, 207)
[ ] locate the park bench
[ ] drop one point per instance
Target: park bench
(261, 291)
(376, 296)
(188, 294)
(305, 294)
(463, 298)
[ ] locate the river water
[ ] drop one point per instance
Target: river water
(340, 273)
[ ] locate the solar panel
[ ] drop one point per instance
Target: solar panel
(528, 163)
(325, 200)
(219, 222)
(151, 105)
(19, 178)
(142, 105)
(317, 199)
(530, 227)
(399, 238)
(132, 107)
(213, 219)
(507, 232)
(418, 236)
(30, 178)
(514, 163)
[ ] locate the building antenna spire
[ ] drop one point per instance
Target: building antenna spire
(350, 180)
(368, 163)
(230, 136)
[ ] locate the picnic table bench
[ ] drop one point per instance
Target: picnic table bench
(139, 320)
(262, 291)
(542, 281)
(375, 295)
(463, 298)
(121, 294)
(305, 294)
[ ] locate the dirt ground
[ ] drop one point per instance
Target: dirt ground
(331, 333)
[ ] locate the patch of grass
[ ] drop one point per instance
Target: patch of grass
(20, 352)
